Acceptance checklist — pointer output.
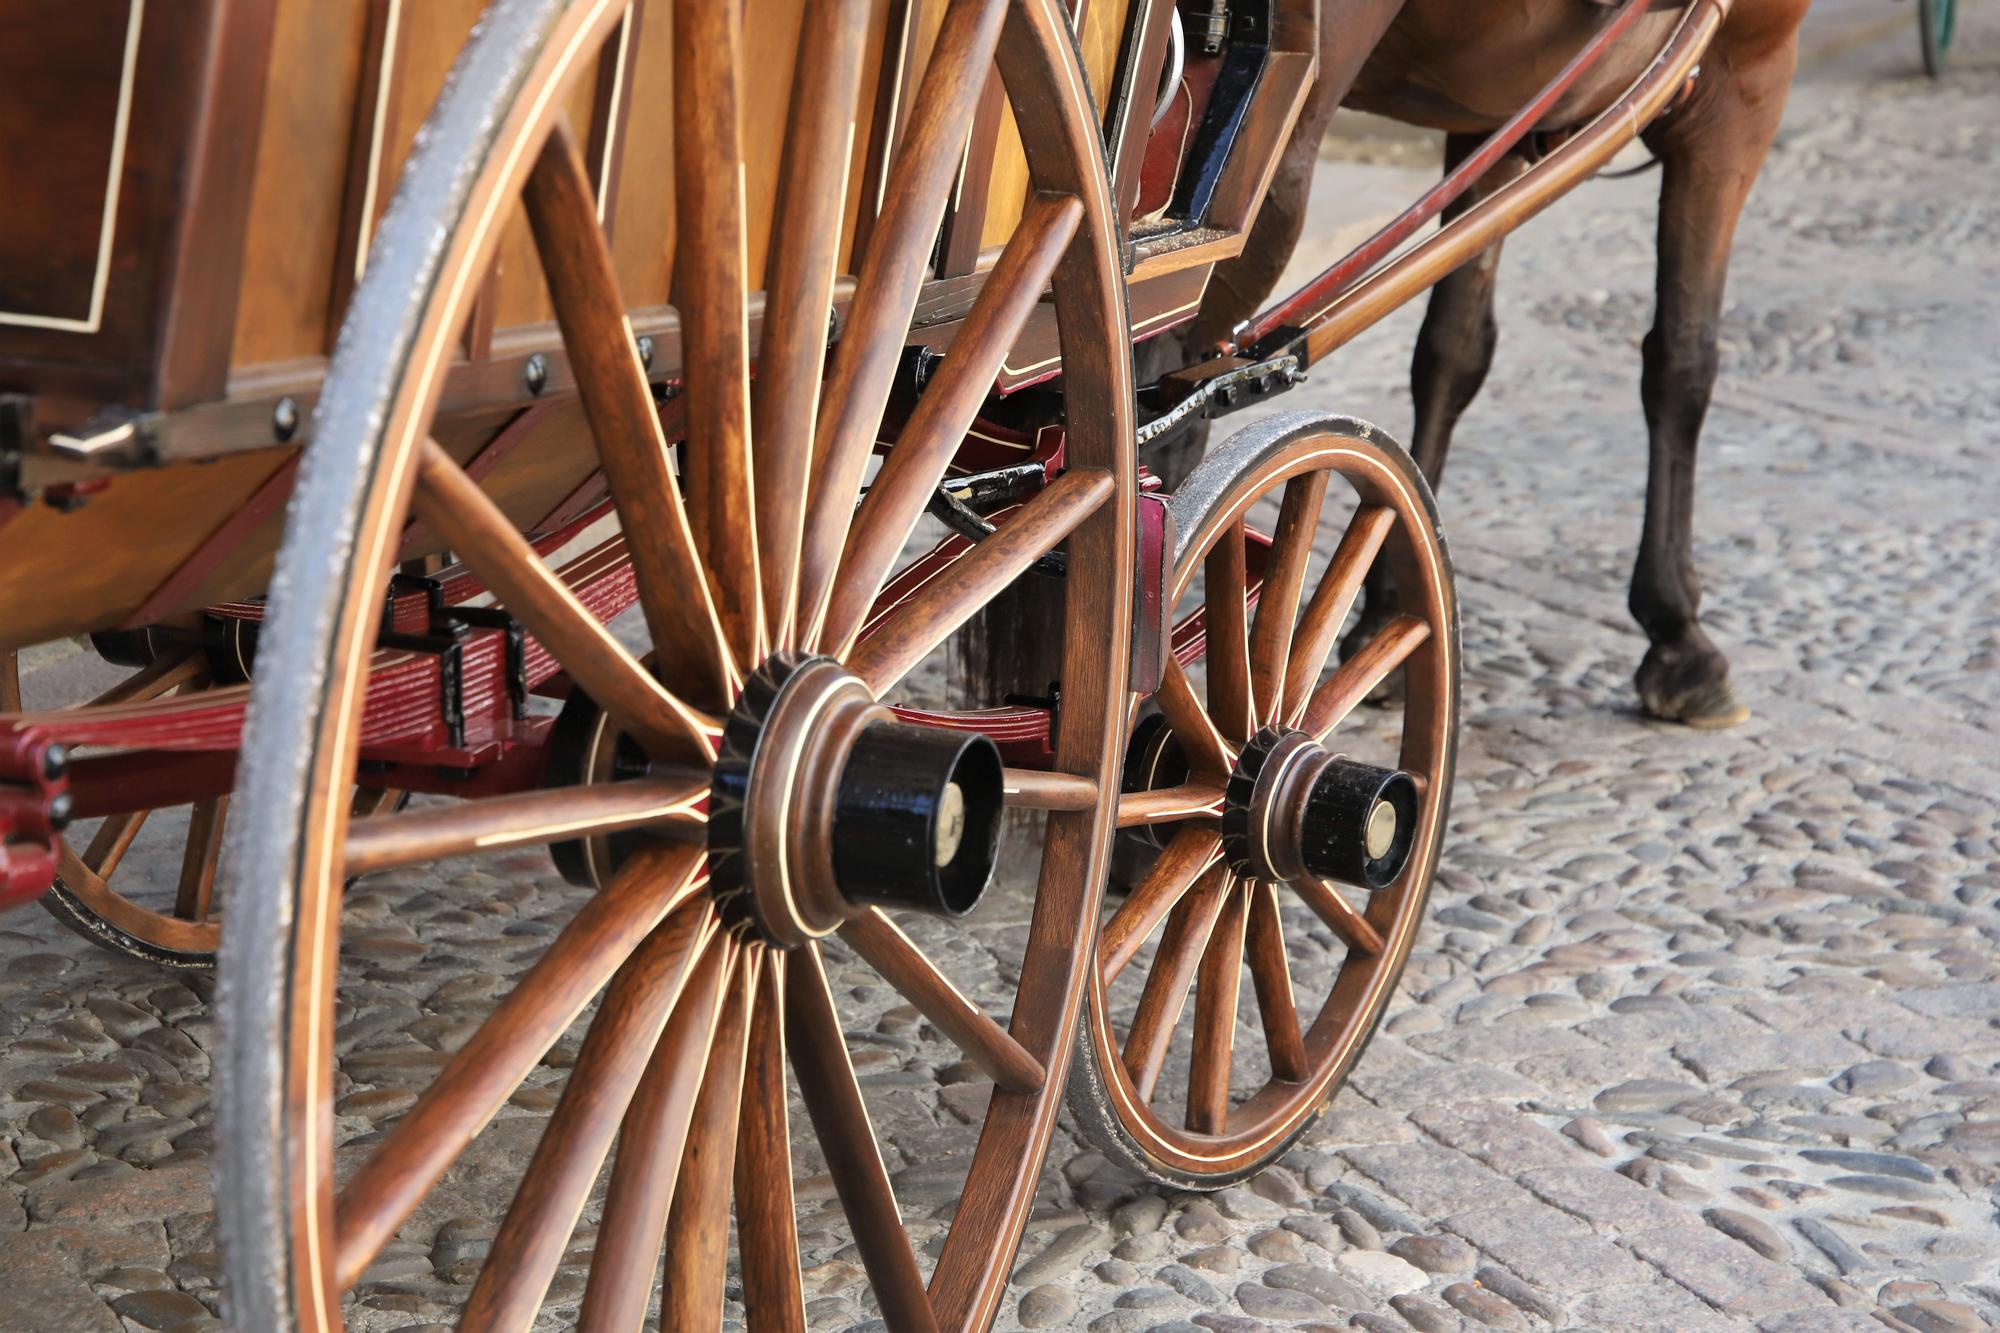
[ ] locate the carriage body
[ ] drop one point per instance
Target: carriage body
(198, 189)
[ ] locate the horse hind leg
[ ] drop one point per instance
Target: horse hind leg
(1710, 151)
(1453, 355)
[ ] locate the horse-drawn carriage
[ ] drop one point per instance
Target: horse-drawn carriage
(588, 424)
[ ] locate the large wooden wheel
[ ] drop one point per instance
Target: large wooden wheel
(757, 575)
(1264, 793)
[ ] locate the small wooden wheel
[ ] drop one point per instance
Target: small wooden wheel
(759, 721)
(142, 882)
(1263, 797)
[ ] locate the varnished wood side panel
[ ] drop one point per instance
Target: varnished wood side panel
(81, 569)
(301, 173)
(1100, 30)
(59, 142)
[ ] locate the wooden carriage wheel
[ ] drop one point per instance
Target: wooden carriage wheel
(756, 573)
(1262, 799)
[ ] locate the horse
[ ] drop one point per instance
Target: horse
(1464, 68)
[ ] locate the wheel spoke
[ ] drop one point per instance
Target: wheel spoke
(1225, 581)
(1030, 789)
(489, 1067)
(553, 1191)
(673, 591)
(667, 803)
(833, 1099)
(1319, 630)
(1184, 861)
(767, 1234)
(204, 848)
(798, 281)
(950, 599)
(928, 441)
(885, 294)
(1361, 673)
(883, 945)
(1272, 976)
(452, 504)
(1182, 945)
(1201, 741)
(1215, 998)
(1167, 805)
(1284, 580)
(626, 1264)
(698, 1222)
(112, 840)
(1330, 906)
(711, 289)
(161, 676)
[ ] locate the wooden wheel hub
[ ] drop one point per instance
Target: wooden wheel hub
(1294, 809)
(824, 805)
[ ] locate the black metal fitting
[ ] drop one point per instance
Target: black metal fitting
(1358, 823)
(916, 819)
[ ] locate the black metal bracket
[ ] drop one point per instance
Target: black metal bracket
(962, 504)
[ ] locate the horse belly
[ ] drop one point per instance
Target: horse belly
(1446, 65)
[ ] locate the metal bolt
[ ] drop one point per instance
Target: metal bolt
(285, 419)
(59, 812)
(646, 351)
(536, 374)
(55, 762)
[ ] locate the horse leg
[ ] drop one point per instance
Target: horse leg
(1453, 355)
(1710, 150)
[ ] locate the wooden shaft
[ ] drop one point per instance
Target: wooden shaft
(928, 441)
(1319, 629)
(1186, 859)
(198, 861)
(697, 1242)
(1304, 306)
(854, 1159)
(1217, 988)
(1278, 600)
(1032, 789)
(1226, 580)
(527, 818)
(1392, 286)
(884, 947)
(488, 1068)
(710, 287)
(1165, 805)
(1358, 675)
(1208, 754)
(766, 1226)
(799, 281)
(1354, 929)
(885, 294)
(624, 1268)
(950, 599)
(1271, 974)
(453, 504)
(566, 1162)
(673, 588)
(1182, 945)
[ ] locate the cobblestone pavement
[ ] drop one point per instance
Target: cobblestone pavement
(1702, 1031)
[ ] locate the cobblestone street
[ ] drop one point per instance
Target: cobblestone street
(1704, 1029)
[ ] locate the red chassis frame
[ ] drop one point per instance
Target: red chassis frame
(446, 704)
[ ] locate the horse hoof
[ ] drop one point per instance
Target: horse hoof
(1710, 707)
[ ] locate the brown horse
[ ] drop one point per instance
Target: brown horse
(1463, 68)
